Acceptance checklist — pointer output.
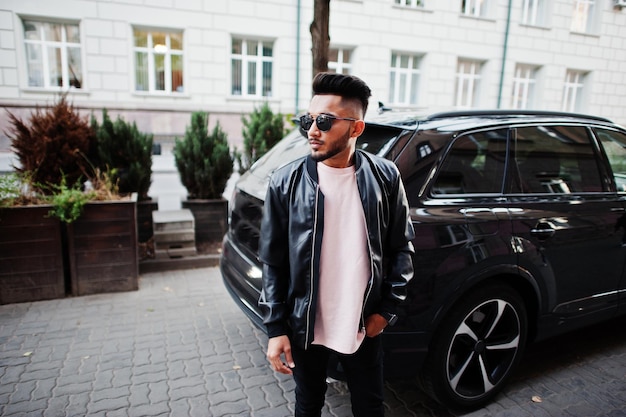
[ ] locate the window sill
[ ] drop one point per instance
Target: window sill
(43, 90)
(538, 27)
(587, 34)
(252, 98)
(159, 94)
(413, 8)
(483, 18)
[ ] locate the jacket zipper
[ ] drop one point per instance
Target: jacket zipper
(370, 283)
(312, 271)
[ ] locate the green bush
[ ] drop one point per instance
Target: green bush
(204, 161)
(55, 143)
(68, 202)
(261, 131)
(125, 153)
(10, 189)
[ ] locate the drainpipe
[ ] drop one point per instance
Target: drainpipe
(504, 51)
(297, 58)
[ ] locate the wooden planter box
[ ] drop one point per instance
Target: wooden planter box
(102, 248)
(31, 255)
(211, 219)
(145, 228)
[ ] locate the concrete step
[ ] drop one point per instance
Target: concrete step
(183, 235)
(168, 220)
(174, 233)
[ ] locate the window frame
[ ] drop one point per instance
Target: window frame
(534, 13)
(583, 16)
(259, 60)
(341, 65)
(151, 53)
(524, 83)
(468, 84)
(474, 8)
(411, 74)
(418, 4)
(63, 46)
(573, 90)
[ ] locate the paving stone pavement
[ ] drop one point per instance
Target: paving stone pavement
(180, 347)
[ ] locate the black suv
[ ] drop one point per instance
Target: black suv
(520, 235)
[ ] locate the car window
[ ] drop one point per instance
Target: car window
(474, 164)
(375, 139)
(614, 144)
(556, 159)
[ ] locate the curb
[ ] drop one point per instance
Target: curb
(176, 264)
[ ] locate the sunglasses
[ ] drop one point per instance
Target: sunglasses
(323, 121)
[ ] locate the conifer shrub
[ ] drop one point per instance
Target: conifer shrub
(125, 153)
(55, 144)
(204, 161)
(261, 131)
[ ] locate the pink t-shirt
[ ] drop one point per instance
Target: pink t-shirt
(344, 262)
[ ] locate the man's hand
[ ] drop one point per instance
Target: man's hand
(276, 347)
(374, 325)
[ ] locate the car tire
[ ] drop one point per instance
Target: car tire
(476, 347)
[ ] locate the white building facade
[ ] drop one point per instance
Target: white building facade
(156, 61)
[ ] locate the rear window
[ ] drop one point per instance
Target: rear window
(376, 139)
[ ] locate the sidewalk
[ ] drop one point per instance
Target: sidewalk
(177, 347)
(180, 347)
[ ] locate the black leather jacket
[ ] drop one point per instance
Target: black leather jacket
(291, 238)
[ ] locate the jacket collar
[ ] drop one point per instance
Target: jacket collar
(311, 165)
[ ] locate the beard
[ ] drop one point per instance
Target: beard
(336, 148)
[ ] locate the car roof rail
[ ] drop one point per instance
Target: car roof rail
(478, 113)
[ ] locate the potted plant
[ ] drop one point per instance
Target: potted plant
(31, 255)
(126, 153)
(261, 131)
(55, 149)
(205, 163)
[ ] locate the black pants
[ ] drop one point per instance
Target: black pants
(364, 373)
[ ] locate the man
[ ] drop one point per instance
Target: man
(336, 251)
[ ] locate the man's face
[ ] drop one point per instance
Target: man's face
(336, 146)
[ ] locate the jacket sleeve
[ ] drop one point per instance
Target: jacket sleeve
(398, 248)
(273, 254)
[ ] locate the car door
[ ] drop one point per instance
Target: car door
(613, 144)
(565, 215)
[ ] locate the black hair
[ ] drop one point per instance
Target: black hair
(346, 86)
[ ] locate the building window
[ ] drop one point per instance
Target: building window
(534, 12)
(524, 82)
(158, 61)
(411, 3)
(251, 68)
(582, 19)
(467, 83)
(53, 54)
(404, 79)
(339, 61)
(475, 8)
(573, 91)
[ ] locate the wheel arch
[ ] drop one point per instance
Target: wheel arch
(518, 279)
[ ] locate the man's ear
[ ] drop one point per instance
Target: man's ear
(359, 127)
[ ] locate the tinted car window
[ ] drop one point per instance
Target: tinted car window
(376, 139)
(474, 164)
(557, 159)
(614, 144)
